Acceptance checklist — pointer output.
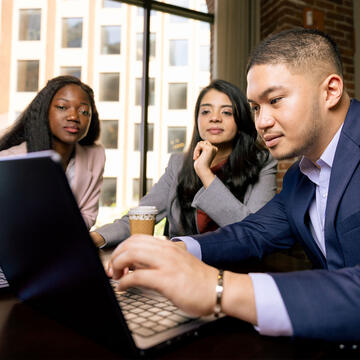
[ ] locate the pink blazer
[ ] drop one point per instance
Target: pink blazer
(86, 185)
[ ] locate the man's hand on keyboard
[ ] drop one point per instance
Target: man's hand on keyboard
(167, 268)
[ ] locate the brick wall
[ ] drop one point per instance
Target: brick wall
(335, 17)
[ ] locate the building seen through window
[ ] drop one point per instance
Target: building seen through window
(111, 4)
(135, 192)
(29, 24)
(109, 133)
(109, 86)
(101, 42)
(139, 46)
(151, 91)
(27, 75)
(72, 32)
(178, 52)
(71, 70)
(176, 139)
(108, 192)
(177, 96)
(150, 137)
(110, 39)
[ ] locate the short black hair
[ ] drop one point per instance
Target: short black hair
(33, 126)
(297, 48)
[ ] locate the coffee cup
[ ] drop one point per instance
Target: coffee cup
(142, 219)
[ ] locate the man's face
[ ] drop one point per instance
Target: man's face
(286, 110)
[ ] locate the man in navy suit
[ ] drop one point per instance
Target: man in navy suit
(300, 107)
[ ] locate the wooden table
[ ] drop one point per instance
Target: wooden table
(26, 334)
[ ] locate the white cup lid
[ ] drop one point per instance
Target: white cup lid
(143, 210)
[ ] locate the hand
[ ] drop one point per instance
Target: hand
(167, 268)
(204, 154)
(97, 238)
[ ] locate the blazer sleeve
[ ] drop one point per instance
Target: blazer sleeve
(323, 304)
(259, 234)
(224, 208)
(158, 196)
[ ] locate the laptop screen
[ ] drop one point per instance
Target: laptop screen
(47, 254)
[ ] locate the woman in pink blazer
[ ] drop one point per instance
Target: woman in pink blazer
(63, 117)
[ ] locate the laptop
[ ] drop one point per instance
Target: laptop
(51, 263)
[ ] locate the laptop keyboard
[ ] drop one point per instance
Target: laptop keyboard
(149, 313)
(3, 281)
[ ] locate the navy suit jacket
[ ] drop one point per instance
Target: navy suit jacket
(325, 302)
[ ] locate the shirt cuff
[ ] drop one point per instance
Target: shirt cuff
(192, 246)
(272, 316)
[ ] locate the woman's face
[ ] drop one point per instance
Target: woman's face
(69, 115)
(216, 121)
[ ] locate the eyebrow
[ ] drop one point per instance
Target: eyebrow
(67, 100)
(213, 105)
(266, 92)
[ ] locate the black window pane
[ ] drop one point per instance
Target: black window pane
(177, 96)
(136, 183)
(178, 52)
(29, 24)
(138, 86)
(71, 70)
(109, 87)
(176, 139)
(150, 137)
(109, 133)
(72, 32)
(28, 75)
(108, 192)
(110, 39)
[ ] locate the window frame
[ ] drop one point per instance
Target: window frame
(148, 6)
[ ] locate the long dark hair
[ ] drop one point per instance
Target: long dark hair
(32, 125)
(244, 163)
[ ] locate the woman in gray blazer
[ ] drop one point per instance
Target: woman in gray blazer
(224, 176)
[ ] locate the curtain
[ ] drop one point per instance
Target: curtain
(236, 32)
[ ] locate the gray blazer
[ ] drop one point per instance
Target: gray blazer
(216, 201)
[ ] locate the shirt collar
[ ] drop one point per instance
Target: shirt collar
(327, 157)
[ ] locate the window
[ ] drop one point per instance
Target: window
(108, 192)
(27, 75)
(110, 39)
(182, 3)
(109, 86)
(139, 46)
(136, 183)
(71, 70)
(176, 139)
(150, 137)
(138, 87)
(178, 53)
(109, 133)
(29, 24)
(111, 4)
(72, 32)
(204, 58)
(177, 96)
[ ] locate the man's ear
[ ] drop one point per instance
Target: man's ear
(333, 90)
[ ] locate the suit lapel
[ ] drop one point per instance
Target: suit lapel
(346, 160)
